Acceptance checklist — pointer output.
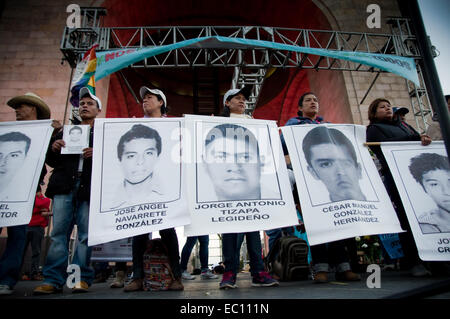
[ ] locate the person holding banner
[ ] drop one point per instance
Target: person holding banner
(69, 187)
(154, 104)
(28, 107)
(234, 106)
(331, 158)
(384, 128)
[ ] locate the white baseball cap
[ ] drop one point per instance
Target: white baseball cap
(144, 90)
(245, 91)
(85, 91)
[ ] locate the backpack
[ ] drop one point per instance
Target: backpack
(288, 259)
(157, 271)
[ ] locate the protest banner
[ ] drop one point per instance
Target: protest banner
(23, 146)
(422, 176)
(238, 180)
(340, 190)
(137, 178)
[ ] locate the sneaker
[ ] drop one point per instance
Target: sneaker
(80, 287)
(134, 285)
(321, 277)
(187, 276)
(263, 279)
(228, 280)
(46, 289)
(208, 275)
(176, 285)
(5, 290)
(347, 276)
(420, 271)
(119, 281)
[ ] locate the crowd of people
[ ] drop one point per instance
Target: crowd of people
(69, 190)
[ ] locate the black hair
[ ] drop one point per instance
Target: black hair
(16, 137)
(138, 131)
(324, 135)
(75, 128)
(426, 162)
(164, 108)
(300, 101)
(232, 131)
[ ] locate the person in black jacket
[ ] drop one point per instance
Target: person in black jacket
(69, 186)
(384, 128)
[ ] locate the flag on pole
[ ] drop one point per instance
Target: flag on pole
(84, 75)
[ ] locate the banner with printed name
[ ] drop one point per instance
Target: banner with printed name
(340, 190)
(137, 178)
(23, 146)
(238, 180)
(422, 176)
(118, 250)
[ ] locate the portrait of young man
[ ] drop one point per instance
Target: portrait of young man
(14, 148)
(234, 164)
(332, 159)
(138, 152)
(75, 134)
(432, 172)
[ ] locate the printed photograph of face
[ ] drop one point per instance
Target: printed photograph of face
(14, 148)
(331, 159)
(432, 172)
(234, 164)
(138, 172)
(75, 134)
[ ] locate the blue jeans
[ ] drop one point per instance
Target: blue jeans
(187, 249)
(67, 211)
(231, 246)
(11, 260)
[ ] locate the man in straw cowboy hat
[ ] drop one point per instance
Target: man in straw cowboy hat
(28, 107)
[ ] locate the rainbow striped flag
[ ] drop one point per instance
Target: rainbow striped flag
(84, 75)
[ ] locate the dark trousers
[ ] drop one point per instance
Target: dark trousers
(170, 240)
(333, 253)
(35, 234)
(11, 260)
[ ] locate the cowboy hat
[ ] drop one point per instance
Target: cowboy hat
(29, 98)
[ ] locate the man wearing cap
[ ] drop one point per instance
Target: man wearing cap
(69, 186)
(28, 107)
(154, 104)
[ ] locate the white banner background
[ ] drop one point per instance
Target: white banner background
(276, 207)
(431, 246)
(327, 220)
(128, 219)
(17, 197)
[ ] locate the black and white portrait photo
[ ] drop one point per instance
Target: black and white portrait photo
(22, 152)
(340, 191)
(76, 138)
(14, 147)
(138, 169)
(432, 172)
(235, 165)
(422, 177)
(137, 178)
(332, 161)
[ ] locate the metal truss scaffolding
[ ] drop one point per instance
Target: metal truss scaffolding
(251, 65)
